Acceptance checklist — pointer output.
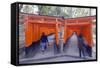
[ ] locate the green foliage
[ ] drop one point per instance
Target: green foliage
(52, 11)
(44, 10)
(67, 12)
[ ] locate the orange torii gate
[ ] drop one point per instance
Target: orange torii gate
(80, 25)
(35, 25)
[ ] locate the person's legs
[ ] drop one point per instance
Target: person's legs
(83, 53)
(55, 48)
(90, 51)
(79, 52)
(45, 46)
(84, 50)
(42, 47)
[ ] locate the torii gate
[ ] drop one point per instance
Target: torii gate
(36, 24)
(80, 25)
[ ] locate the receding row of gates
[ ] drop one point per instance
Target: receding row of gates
(35, 25)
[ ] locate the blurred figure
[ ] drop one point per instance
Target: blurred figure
(84, 47)
(81, 45)
(56, 47)
(43, 42)
(88, 49)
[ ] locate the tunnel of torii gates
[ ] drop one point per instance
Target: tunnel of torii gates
(35, 25)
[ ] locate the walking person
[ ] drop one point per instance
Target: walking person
(88, 49)
(81, 46)
(56, 50)
(43, 42)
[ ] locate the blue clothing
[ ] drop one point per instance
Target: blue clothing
(44, 38)
(81, 46)
(43, 46)
(84, 48)
(43, 41)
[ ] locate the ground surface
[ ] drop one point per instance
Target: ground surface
(71, 53)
